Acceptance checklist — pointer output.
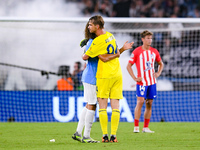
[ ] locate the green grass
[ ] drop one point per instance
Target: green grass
(24, 136)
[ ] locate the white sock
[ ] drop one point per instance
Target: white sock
(88, 122)
(81, 122)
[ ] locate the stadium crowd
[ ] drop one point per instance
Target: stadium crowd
(141, 8)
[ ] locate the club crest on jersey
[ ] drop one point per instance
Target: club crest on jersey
(148, 66)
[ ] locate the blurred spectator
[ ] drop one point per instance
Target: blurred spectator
(121, 8)
(65, 83)
(105, 8)
(176, 11)
(89, 8)
(169, 7)
(77, 74)
(183, 11)
(139, 8)
(191, 4)
(161, 13)
(176, 36)
(147, 9)
(132, 10)
(156, 9)
(195, 13)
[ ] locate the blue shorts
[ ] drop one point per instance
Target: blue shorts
(148, 92)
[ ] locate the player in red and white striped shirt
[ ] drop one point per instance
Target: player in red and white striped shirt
(144, 58)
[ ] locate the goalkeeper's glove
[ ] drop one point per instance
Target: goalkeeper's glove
(84, 42)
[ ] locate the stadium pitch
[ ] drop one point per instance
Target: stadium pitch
(168, 135)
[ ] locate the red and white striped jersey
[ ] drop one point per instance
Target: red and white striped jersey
(144, 60)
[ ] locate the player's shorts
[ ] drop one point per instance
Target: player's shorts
(90, 95)
(148, 92)
(110, 88)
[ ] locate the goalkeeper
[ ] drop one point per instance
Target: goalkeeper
(109, 75)
(89, 83)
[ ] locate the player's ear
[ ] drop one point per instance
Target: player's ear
(97, 26)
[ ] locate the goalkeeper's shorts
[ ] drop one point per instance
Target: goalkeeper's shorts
(110, 88)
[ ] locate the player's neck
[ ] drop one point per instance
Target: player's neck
(145, 47)
(100, 32)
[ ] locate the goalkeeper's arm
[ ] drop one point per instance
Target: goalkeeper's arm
(107, 57)
(126, 46)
